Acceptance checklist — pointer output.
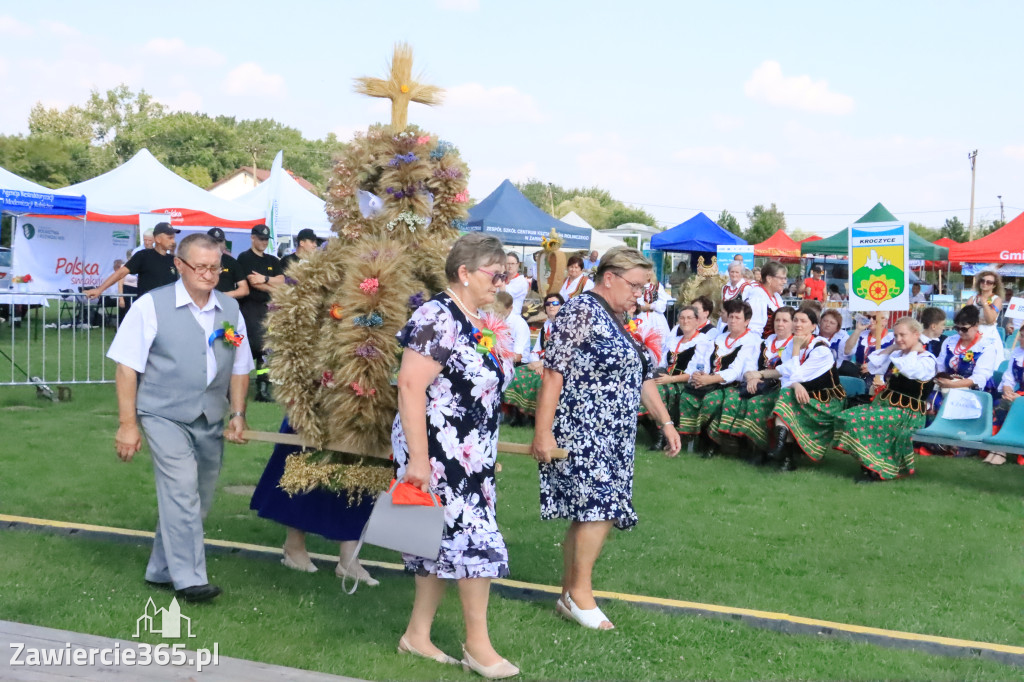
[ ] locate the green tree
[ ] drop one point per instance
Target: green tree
(924, 232)
(72, 122)
(588, 208)
(622, 213)
(955, 230)
(48, 159)
(764, 222)
(727, 221)
(182, 141)
(119, 117)
(593, 204)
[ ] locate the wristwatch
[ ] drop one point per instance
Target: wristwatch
(237, 414)
(266, 279)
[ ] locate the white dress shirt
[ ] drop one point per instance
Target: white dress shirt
(535, 354)
(917, 366)
(746, 360)
(134, 337)
(805, 365)
(760, 303)
(1016, 360)
(518, 287)
(570, 285)
(991, 355)
(520, 331)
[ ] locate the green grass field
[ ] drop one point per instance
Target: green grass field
(938, 554)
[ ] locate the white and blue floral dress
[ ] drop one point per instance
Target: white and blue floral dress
(463, 405)
(602, 377)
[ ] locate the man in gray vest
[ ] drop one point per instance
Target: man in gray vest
(179, 352)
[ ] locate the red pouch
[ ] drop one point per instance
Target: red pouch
(407, 493)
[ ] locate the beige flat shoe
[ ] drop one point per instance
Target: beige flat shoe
(498, 671)
(441, 657)
(363, 577)
(307, 567)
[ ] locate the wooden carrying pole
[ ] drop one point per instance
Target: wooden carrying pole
(345, 446)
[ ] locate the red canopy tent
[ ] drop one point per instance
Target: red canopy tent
(812, 238)
(780, 245)
(941, 264)
(1005, 245)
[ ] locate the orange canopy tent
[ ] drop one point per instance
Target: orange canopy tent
(812, 238)
(779, 245)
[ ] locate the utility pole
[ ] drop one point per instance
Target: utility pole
(551, 200)
(973, 156)
(1002, 215)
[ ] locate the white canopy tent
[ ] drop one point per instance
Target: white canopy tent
(599, 239)
(9, 180)
(286, 205)
(144, 185)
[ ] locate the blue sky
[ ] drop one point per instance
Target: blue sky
(821, 108)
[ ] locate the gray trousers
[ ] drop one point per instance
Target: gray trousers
(186, 463)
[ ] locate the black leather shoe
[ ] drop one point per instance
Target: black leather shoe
(159, 585)
(867, 476)
(198, 593)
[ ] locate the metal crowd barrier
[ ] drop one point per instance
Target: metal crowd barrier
(57, 338)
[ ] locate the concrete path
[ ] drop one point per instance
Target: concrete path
(29, 643)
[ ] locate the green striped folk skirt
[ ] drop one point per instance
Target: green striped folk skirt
(748, 417)
(879, 435)
(522, 392)
(812, 424)
(697, 413)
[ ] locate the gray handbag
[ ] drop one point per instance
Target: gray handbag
(413, 524)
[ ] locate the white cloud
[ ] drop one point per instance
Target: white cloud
(732, 158)
(177, 49)
(726, 123)
(484, 179)
(459, 5)
(1014, 152)
(13, 27)
(499, 104)
(186, 100)
(768, 84)
(347, 132)
(250, 79)
(59, 29)
(578, 138)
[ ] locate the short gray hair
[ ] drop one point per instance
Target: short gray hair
(473, 250)
(197, 240)
(619, 259)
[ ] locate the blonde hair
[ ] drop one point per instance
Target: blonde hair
(619, 259)
(910, 323)
(998, 289)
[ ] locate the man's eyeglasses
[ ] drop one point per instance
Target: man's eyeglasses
(496, 277)
(637, 288)
(553, 304)
(961, 328)
(202, 269)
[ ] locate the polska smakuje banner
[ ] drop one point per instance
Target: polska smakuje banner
(68, 254)
(879, 266)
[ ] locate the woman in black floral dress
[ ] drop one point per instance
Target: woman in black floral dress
(445, 440)
(595, 376)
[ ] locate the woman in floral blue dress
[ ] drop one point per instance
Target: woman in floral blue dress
(445, 440)
(595, 376)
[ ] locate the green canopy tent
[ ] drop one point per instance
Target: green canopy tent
(838, 244)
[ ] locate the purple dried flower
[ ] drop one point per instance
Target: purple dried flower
(367, 351)
(416, 300)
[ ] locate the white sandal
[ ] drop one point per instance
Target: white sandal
(589, 618)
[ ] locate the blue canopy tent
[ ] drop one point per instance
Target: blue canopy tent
(698, 234)
(38, 203)
(511, 217)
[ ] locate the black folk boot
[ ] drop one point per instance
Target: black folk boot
(775, 453)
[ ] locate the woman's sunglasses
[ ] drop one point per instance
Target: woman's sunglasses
(554, 304)
(988, 281)
(961, 328)
(496, 277)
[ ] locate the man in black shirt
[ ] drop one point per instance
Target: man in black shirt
(263, 273)
(154, 267)
(233, 281)
(306, 242)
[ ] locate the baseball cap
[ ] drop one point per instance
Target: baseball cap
(261, 231)
(217, 234)
(306, 234)
(164, 228)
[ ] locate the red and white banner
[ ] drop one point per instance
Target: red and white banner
(68, 254)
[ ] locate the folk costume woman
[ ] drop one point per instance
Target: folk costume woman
(522, 392)
(830, 328)
(454, 367)
(765, 298)
(968, 358)
(652, 304)
(595, 376)
(1010, 388)
(689, 343)
(748, 415)
(576, 281)
(733, 289)
(718, 369)
(811, 397)
(988, 299)
(867, 337)
(879, 434)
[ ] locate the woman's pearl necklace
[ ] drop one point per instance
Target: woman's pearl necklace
(462, 306)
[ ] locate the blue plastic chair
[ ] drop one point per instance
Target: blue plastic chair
(1010, 438)
(1002, 334)
(852, 385)
(997, 375)
(1010, 341)
(955, 432)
